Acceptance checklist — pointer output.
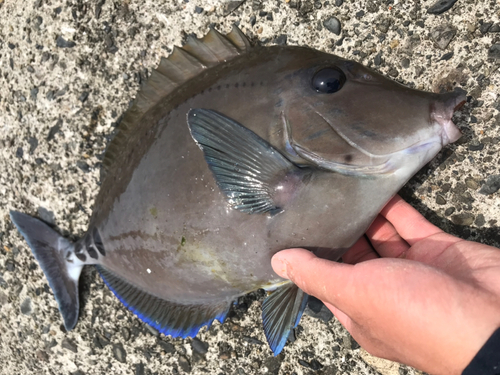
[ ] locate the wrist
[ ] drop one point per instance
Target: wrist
(487, 359)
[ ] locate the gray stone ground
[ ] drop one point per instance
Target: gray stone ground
(68, 70)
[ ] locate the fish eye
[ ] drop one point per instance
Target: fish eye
(328, 80)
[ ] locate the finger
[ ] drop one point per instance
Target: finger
(342, 317)
(385, 239)
(357, 332)
(407, 221)
(321, 278)
(331, 282)
(361, 251)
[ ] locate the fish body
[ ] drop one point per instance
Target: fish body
(230, 154)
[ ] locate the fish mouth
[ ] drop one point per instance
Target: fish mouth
(442, 111)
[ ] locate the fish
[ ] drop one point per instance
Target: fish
(230, 153)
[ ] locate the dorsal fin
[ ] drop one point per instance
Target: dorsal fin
(183, 64)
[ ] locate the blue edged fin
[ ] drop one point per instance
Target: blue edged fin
(54, 254)
(245, 166)
(169, 318)
(281, 312)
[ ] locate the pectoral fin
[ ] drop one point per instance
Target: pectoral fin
(281, 312)
(246, 167)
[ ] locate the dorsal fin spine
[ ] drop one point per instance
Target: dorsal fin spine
(200, 51)
(184, 60)
(182, 65)
(239, 39)
(161, 82)
(219, 42)
(170, 70)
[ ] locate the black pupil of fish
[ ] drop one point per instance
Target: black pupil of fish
(328, 80)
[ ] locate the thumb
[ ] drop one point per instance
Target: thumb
(321, 278)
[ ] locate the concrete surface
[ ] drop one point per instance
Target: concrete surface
(68, 71)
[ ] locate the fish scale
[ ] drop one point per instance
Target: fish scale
(230, 153)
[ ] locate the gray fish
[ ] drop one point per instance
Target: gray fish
(230, 154)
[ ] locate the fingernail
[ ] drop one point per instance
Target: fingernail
(280, 266)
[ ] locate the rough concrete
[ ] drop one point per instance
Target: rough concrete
(68, 71)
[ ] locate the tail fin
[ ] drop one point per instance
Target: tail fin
(54, 254)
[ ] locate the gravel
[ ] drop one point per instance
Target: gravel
(69, 344)
(119, 353)
(441, 6)
(332, 24)
(491, 186)
(68, 72)
(63, 43)
(26, 308)
(199, 346)
(443, 35)
(494, 52)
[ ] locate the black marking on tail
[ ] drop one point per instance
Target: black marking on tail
(93, 244)
(92, 252)
(98, 241)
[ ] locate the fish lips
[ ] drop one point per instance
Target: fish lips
(442, 111)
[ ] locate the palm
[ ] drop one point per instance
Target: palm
(407, 291)
(422, 284)
(464, 260)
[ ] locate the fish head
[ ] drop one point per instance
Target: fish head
(342, 116)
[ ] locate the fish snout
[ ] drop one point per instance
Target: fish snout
(442, 111)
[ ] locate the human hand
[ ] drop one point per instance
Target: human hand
(412, 293)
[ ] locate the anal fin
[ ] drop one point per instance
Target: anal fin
(170, 318)
(281, 312)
